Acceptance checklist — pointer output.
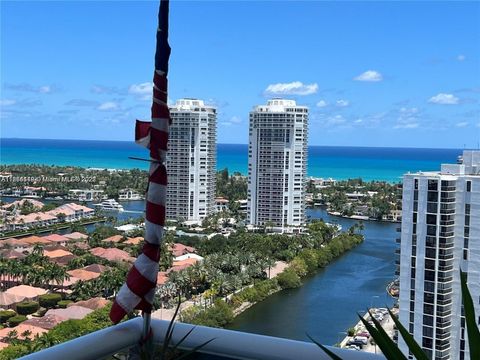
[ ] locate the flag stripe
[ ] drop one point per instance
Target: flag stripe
(151, 251)
(155, 213)
(160, 111)
(137, 283)
(159, 176)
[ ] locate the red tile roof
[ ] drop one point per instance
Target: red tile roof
(56, 238)
(71, 312)
(134, 241)
(178, 249)
(112, 254)
(83, 274)
(46, 322)
(94, 303)
(97, 268)
(20, 329)
(162, 278)
(52, 254)
(76, 236)
(113, 239)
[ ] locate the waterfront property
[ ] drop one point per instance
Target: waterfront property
(440, 233)
(277, 164)
(191, 160)
(14, 220)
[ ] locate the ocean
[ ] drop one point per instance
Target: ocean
(338, 162)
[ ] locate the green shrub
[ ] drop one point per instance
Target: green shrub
(15, 320)
(27, 307)
(49, 300)
(236, 301)
(218, 315)
(299, 267)
(64, 303)
(288, 279)
(6, 314)
(310, 258)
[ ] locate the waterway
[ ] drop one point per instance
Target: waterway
(327, 303)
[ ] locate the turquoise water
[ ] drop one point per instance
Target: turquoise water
(387, 164)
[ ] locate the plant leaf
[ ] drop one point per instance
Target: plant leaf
(472, 329)
(194, 350)
(183, 338)
(325, 349)
(169, 332)
(409, 340)
(388, 347)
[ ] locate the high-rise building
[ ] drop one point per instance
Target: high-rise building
(191, 160)
(277, 164)
(440, 236)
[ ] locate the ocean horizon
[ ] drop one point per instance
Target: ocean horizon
(338, 162)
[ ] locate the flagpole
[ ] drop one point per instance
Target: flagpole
(138, 291)
(162, 56)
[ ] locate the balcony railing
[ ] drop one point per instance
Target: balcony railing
(227, 344)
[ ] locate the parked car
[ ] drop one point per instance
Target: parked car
(364, 334)
(356, 343)
(383, 311)
(362, 339)
(352, 347)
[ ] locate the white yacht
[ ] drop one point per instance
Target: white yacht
(109, 205)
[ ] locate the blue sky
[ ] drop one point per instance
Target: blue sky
(372, 73)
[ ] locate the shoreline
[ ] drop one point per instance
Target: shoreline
(247, 305)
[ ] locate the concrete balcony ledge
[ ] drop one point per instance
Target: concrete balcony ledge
(227, 344)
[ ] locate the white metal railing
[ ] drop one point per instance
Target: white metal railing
(227, 344)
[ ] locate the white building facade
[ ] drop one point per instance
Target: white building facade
(191, 160)
(277, 164)
(440, 236)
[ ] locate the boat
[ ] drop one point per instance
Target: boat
(109, 205)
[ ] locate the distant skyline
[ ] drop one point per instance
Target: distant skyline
(395, 74)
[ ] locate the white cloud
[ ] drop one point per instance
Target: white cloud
(7, 102)
(82, 102)
(336, 120)
(408, 118)
(444, 99)
(342, 103)
(293, 88)
(461, 57)
(358, 121)
(406, 126)
(461, 124)
(235, 120)
(369, 75)
(409, 111)
(141, 89)
(102, 89)
(45, 89)
(322, 103)
(108, 106)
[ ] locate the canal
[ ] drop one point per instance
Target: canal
(327, 303)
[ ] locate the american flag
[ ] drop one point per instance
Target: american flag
(139, 289)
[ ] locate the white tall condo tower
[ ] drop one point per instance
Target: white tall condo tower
(191, 160)
(440, 236)
(277, 164)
